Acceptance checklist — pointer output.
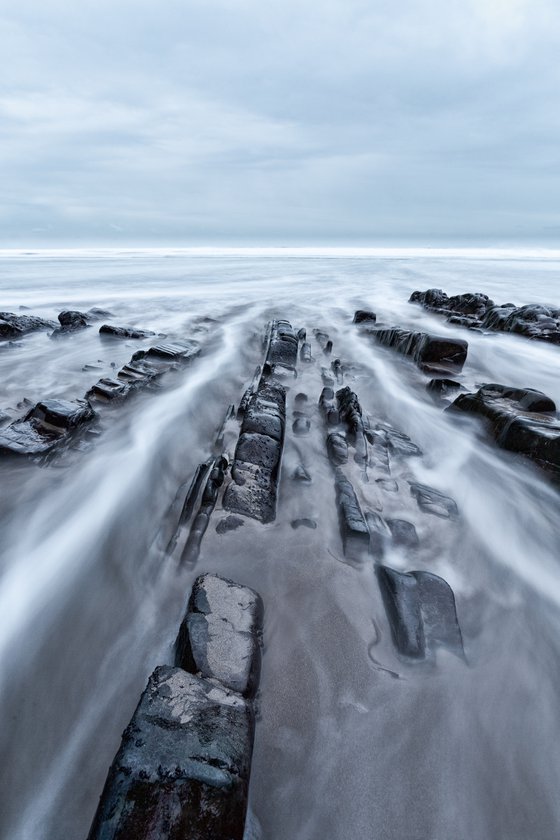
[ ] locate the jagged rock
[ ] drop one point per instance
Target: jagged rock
(13, 326)
(353, 528)
(207, 505)
(46, 426)
(220, 633)
(124, 332)
(337, 449)
(397, 442)
(257, 456)
(432, 501)
(176, 351)
(182, 770)
(520, 420)
(403, 533)
(304, 523)
(364, 316)
(229, 523)
(283, 346)
(421, 610)
(432, 353)
(70, 321)
(305, 352)
(351, 413)
(534, 321)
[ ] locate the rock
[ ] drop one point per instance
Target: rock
(379, 533)
(305, 353)
(337, 369)
(337, 449)
(351, 413)
(14, 326)
(220, 634)
(301, 334)
(229, 523)
(328, 348)
(403, 533)
(387, 484)
(301, 426)
(97, 314)
(207, 504)
(364, 316)
(246, 398)
(45, 427)
(124, 332)
(304, 523)
(258, 453)
(421, 611)
(283, 346)
(353, 528)
(432, 501)
(476, 310)
(398, 443)
(301, 474)
(70, 321)
(443, 387)
(328, 408)
(520, 420)
(176, 351)
(182, 770)
(432, 353)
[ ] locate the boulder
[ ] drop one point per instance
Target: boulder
(46, 426)
(14, 326)
(220, 634)
(124, 332)
(364, 316)
(182, 770)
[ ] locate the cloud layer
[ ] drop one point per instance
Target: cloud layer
(188, 121)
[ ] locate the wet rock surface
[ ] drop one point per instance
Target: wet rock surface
(182, 770)
(432, 353)
(520, 420)
(47, 426)
(219, 636)
(478, 311)
(124, 332)
(421, 610)
(14, 326)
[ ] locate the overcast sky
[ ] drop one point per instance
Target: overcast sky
(279, 121)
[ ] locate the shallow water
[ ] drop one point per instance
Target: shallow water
(351, 741)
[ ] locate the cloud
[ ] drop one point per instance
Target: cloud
(191, 120)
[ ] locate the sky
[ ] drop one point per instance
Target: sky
(279, 122)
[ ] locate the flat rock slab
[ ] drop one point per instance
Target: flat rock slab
(47, 425)
(182, 770)
(124, 332)
(220, 634)
(353, 528)
(421, 611)
(432, 501)
(520, 420)
(283, 346)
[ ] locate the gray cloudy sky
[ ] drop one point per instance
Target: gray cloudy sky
(279, 121)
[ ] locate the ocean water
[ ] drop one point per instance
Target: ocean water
(350, 741)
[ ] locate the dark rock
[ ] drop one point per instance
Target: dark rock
(229, 523)
(304, 523)
(283, 346)
(301, 426)
(301, 334)
(246, 398)
(219, 636)
(305, 352)
(337, 369)
(207, 504)
(363, 316)
(403, 533)
(430, 352)
(257, 456)
(14, 326)
(183, 766)
(520, 420)
(45, 427)
(421, 611)
(327, 349)
(328, 408)
(124, 332)
(432, 501)
(353, 528)
(322, 338)
(70, 321)
(398, 443)
(337, 449)
(97, 314)
(351, 413)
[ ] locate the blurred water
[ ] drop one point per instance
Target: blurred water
(89, 604)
